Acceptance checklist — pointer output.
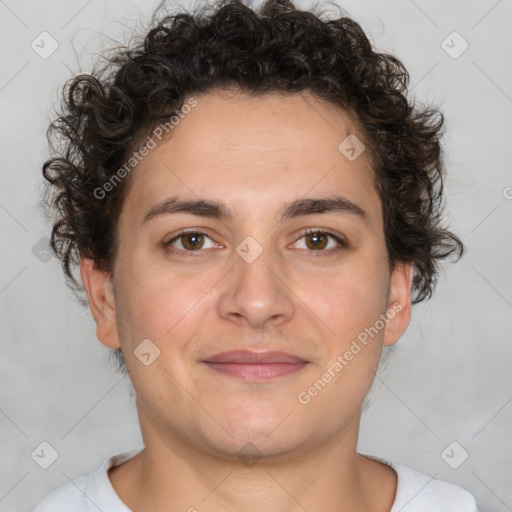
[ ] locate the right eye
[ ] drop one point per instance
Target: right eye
(191, 240)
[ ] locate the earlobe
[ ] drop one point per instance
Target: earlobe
(399, 306)
(99, 288)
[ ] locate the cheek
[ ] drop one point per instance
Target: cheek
(352, 299)
(353, 348)
(161, 305)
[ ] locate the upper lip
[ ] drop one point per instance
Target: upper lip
(251, 357)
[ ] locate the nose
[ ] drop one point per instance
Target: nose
(255, 292)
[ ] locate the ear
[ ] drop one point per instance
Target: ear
(99, 288)
(399, 305)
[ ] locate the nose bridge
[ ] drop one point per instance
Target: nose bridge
(256, 291)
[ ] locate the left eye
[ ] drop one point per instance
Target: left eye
(193, 241)
(319, 240)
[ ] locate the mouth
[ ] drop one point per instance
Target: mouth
(255, 366)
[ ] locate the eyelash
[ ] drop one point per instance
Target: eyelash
(197, 253)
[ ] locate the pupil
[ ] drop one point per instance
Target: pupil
(318, 237)
(196, 237)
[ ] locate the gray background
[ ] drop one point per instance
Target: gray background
(449, 378)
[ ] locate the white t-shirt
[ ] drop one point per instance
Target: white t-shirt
(415, 492)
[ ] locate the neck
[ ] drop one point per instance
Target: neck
(177, 476)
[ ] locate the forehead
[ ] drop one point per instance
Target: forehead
(255, 152)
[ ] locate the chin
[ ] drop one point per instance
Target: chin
(248, 446)
(269, 429)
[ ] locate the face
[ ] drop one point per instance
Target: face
(255, 280)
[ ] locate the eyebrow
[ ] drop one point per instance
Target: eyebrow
(221, 211)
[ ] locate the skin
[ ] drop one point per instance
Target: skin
(254, 154)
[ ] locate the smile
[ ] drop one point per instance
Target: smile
(258, 371)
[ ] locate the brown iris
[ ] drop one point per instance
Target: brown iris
(196, 244)
(317, 236)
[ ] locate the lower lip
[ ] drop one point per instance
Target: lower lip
(256, 372)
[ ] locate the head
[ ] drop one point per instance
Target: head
(312, 192)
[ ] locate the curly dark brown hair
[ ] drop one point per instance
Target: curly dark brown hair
(107, 114)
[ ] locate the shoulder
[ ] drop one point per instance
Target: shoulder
(66, 496)
(417, 492)
(87, 493)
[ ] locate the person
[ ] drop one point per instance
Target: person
(254, 206)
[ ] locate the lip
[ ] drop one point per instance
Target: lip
(255, 366)
(252, 357)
